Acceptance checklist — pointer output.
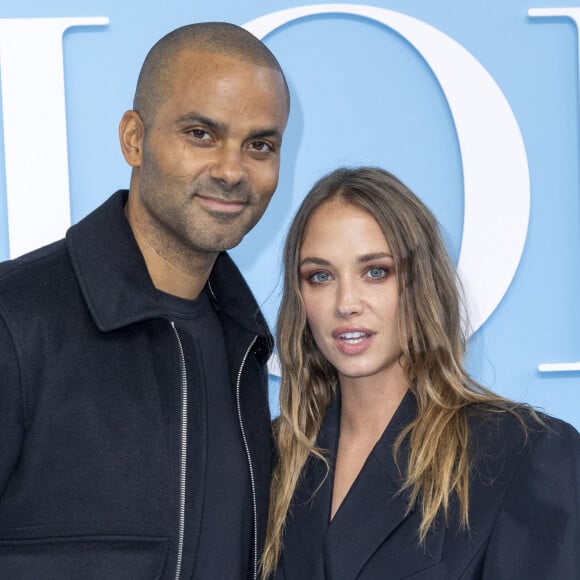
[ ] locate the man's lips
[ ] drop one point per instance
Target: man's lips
(221, 205)
(352, 340)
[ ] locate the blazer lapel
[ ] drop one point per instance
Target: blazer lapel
(310, 511)
(371, 512)
(374, 507)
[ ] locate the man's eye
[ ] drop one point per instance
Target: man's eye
(262, 146)
(201, 134)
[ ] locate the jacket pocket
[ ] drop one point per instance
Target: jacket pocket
(83, 558)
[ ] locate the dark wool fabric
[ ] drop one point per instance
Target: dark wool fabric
(224, 549)
(91, 406)
(524, 509)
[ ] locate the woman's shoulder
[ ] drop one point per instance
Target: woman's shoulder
(525, 490)
(522, 463)
(505, 419)
(518, 433)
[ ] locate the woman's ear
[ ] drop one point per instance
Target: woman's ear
(131, 133)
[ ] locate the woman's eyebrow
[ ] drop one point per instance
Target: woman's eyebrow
(375, 256)
(314, 260)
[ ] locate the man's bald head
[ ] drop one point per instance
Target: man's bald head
(156, 77)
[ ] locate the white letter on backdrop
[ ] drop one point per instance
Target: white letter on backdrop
(35, 144)
(573, 14)
(496, 179)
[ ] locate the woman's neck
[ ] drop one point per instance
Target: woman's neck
(366, 410)
(367, 406)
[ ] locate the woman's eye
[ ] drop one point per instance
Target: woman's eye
(376, 272)
(319, 277)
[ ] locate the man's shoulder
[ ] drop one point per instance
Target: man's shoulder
(36, 285)
(33, 267)
(42, 272)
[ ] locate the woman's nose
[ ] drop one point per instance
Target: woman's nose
(348, 302)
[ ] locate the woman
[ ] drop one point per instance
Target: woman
(393, 463)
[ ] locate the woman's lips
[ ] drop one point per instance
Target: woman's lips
(352, 341)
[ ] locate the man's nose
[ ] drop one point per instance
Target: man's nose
(229, 167)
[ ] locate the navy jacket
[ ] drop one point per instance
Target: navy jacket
(524, 510)
(92, 404)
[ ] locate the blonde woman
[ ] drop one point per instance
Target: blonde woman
(392, 462)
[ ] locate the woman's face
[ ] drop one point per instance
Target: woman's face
(349, 288)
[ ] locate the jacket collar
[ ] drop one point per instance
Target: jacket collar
(116, 285)
(372, 510)
(375, 505)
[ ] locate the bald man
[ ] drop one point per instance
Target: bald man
(134, 422)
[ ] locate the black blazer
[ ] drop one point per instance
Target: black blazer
(524, 510)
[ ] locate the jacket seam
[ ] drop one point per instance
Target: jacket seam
(5, 318)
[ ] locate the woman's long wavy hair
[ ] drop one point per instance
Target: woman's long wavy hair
(431, 329)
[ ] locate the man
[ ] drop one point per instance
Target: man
(134, 422)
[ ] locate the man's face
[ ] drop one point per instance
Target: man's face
(211, 157)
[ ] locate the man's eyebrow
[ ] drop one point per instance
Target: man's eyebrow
(267, 134)
(198, 119)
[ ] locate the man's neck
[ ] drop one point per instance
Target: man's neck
(176, 275)
(175, 271)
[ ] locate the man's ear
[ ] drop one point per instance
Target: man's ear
(131, 133)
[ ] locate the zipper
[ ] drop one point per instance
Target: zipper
(183, 458)
(249, 457)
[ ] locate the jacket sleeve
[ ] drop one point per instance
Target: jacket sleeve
(537, 531)
(11, 407)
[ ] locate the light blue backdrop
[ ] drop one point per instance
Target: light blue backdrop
(362, 94)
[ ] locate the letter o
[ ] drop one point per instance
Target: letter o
(495, 167)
